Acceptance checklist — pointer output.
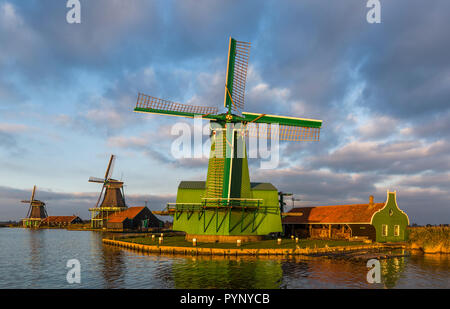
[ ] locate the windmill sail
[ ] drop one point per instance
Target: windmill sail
(288, 129)
(238, 55)
(284, 133)
(110, 168)
(216, 166)
(149, 104)
(96, 179)
(100, 196)
(32, 194)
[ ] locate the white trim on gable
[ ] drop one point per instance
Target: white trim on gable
(395, 196)
(385, 204)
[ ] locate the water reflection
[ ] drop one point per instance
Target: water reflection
(199, 272)
(226, 272)
(111, 262)
(432, 262)
(113, 267)
(37, 259)
(303, 272)
(391, 270)
(36, 243)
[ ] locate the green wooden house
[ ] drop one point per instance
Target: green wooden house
(390, 222)
(380, 222)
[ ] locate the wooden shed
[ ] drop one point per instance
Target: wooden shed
(381, 222)
(133, 218)
(61, 220)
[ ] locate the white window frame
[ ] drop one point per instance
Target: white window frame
(383, 226)
(397, 230)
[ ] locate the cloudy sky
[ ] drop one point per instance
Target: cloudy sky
(67, 92)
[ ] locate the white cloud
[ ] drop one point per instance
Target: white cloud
(261, 96)
(17, 39)
(13, 128)
(9, 17)
(105, 115)
(380, 127)
(128, 142)
(389, 157)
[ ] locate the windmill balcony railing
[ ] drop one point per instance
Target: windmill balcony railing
(222, 204)
(107, 208)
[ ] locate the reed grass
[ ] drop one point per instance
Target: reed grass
(435, 239)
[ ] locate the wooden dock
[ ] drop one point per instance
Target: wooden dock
(326, 251)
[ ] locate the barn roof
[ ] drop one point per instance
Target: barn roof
(59, 219)
(192, 185)
(129, 213)
(263, 186)
(338, 214)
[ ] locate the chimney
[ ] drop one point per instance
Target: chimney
(371, 200)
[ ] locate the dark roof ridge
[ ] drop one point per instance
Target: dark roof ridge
(343, 205)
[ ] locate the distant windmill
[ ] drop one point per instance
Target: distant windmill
(36, 212)
(281, 200)
(293, 199)
(113, 197)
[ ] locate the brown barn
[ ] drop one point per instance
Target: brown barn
(61, 220)
(333, 222)
(133, 218)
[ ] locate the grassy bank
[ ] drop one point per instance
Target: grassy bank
(179, 241)
(434, 239)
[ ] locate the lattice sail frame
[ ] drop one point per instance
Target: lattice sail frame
(168, 107)
(238, 56)
(284, 132)
(216, 165)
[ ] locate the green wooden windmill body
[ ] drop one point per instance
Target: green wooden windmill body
(228, 204)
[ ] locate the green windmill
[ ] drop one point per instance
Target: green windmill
(228, 206)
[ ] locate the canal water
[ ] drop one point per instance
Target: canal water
(38, 258)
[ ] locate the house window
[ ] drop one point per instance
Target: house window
(396, 230)
(384, 230)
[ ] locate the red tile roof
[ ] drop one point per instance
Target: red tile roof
(340, 214)
(116, 219)
(129, 213)
(59, 219)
